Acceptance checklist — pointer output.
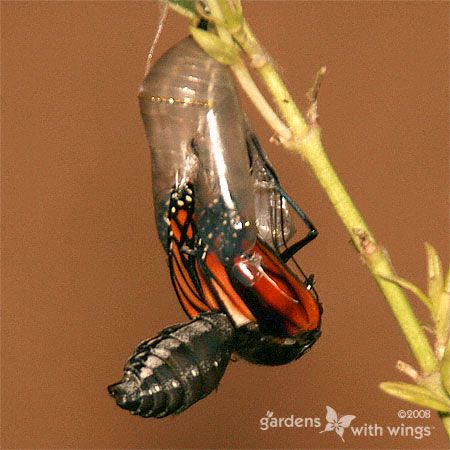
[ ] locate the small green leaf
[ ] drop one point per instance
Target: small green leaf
(232, 15)
(442, 321)
(441, 317)
(215, 47)
(445, 370)
(447, 282)
(435, 273)
(416, 394)
(183, 7)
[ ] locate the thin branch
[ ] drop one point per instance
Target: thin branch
(306, 140)
(410, 287)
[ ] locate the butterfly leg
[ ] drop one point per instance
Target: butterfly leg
(312, 233)
(255, 150)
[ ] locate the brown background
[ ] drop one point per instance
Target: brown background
(84, 277)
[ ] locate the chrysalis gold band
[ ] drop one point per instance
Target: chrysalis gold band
(172, 100)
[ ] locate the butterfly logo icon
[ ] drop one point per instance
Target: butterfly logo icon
(336, 423)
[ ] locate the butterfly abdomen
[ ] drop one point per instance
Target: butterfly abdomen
(180, 366)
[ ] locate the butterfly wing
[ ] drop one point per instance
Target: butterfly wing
(199, 277)
(182, 251)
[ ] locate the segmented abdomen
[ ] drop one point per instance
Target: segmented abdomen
(181, 365)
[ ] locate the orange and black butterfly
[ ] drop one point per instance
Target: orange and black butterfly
(225, 223)
(275, 314)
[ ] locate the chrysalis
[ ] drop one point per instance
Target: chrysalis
(196, 132)
(224, 221)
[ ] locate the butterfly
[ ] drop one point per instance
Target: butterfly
(225, 222)
(276, 315)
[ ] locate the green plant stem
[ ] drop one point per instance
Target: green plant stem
(405, 284)
(283, 99)
(245, 80)
(310, 147)
(307, 141)
(312, 150)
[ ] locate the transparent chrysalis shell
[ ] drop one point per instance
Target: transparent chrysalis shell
(196, 131)
(273, 218)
